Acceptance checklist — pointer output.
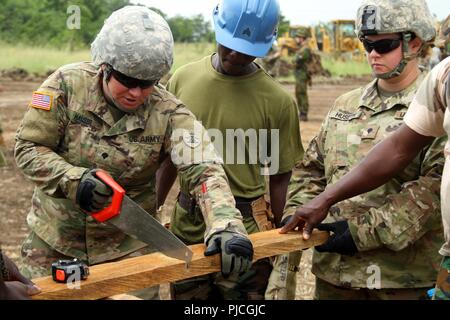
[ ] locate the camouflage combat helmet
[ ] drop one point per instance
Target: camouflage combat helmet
(396, 16)
(135, 41)
(303, 32)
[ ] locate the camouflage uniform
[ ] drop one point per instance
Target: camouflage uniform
(429, 116)
(396, 227)
(54, 148)
(302, 78)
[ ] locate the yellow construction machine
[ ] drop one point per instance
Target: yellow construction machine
(345, 40)
(287, 44)
(337, 37)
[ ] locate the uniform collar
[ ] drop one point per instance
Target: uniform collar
(371, 99)
(97, 105)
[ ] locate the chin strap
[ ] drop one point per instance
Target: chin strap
(407, 57)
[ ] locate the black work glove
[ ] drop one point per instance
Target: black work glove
(340, 241)
(93, 195)
(236, 249)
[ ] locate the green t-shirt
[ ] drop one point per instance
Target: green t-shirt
(253, 103)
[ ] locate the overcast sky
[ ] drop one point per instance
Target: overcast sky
(297, 11)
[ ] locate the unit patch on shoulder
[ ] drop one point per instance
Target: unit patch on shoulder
(41, 100)
(191, 140)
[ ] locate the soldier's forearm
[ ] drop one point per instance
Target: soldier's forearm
(165, 178)
(209, 184)
(380, 165)
(42, 166)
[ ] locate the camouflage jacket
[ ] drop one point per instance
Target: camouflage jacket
(396, 227)
(54, 147)
(301, 60)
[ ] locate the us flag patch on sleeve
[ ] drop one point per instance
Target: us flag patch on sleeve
(42, 101)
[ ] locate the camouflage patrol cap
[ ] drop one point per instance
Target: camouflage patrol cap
(395, 16)
(135, 41)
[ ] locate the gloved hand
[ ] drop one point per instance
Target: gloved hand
(340, 241)
(236, 249)
(92, 194)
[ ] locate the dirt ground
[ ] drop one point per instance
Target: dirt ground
(15, 195)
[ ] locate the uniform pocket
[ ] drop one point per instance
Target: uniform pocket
(73, 136)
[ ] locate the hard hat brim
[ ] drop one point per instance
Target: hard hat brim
(258, 50)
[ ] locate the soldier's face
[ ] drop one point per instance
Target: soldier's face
(384, 62)
(129, 98)
(232, 62)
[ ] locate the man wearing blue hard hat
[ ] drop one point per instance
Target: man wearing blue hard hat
(238, 102)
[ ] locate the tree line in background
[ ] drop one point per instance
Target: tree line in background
(44, 23)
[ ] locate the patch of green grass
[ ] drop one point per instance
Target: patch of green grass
(41, 60)
(37, 60)
(190, 52)
(340, 68)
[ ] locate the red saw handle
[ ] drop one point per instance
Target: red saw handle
(116, 203)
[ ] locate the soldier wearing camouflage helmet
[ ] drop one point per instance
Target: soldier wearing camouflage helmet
(407, 19)
(387, 239)
(112, 114)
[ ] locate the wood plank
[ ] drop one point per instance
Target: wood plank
(115, 278)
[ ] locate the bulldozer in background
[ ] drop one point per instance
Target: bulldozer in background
(279, 60)
(346, 44)
(337, 37)
(287, 43)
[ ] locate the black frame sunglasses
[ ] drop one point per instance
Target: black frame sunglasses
(131, 83)
(381, 46)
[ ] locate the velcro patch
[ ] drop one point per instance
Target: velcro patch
(399, 115)
(41, 100)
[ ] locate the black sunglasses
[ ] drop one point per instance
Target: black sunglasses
(381, 46)
(132, 82)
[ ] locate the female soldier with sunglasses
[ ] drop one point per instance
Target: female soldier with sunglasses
(111, 114)
(388, 239)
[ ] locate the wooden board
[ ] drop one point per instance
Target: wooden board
(115, 278)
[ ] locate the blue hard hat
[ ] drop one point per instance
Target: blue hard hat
(247, 26)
